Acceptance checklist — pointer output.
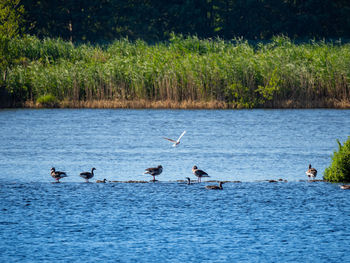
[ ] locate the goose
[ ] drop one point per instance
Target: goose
(101, 181)
(177, 142)
(311, 172)
(215, 187)
(87, 175)
(188, 180)
(345, 186)
(154, 171)
(57, 174)
(199, 173)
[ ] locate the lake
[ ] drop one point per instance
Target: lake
(169, 221)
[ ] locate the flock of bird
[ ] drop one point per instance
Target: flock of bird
(155, 171)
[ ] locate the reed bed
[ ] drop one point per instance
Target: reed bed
(133, 104)
(169, 104)
(182, 73)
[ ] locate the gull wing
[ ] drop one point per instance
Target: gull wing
(181, 136)
(169, 139)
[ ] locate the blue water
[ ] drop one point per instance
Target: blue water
(169, 221)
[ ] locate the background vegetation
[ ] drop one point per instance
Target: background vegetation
(277, 74)
(155, 20)
(65, 52)
(339, 170)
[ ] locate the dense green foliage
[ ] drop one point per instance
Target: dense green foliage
(339, 170)
(183, 69)
(11, 18)
(154, 20)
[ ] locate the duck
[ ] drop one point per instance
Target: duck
(199, 173)
(177, 142)
(215, 187)
(345, 186)
(101, 181)
(87, 175)
(154, 171)
(311, 172)
(57, 174)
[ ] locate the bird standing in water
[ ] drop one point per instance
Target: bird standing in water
(311, 172)
(57, 174)
(87, 175)
(199, 173)
(154, 171)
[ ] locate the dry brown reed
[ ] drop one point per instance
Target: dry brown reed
(306, 104)
(190, 104)
(144, 104)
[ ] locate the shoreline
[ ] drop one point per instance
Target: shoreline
(188, 104)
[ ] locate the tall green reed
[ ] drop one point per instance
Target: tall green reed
(182, 69)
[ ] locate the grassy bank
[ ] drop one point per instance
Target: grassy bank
(184, 73)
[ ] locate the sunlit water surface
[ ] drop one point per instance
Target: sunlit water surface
(169, 221)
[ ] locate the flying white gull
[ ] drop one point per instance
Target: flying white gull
(177, 142)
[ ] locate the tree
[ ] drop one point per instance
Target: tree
(155, 20)
(11, 18)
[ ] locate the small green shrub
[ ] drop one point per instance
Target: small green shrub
(339, 171)
(48, 101)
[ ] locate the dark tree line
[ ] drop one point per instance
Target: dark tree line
(153, 20)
